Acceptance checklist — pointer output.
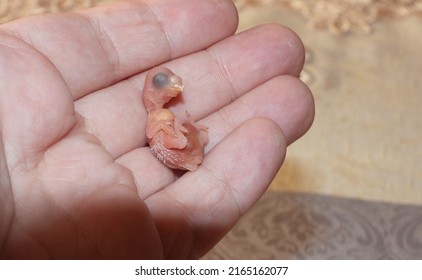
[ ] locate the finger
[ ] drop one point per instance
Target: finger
(285, 100)
(232, 67)
(212, 78)
(149, 174)
(98, 47)
(205, 204)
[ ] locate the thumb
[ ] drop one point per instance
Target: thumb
(36, 108)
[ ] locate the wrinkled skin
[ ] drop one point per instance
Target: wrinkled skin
(77, 178)
(178, 146)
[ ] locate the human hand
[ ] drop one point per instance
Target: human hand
(77, 179)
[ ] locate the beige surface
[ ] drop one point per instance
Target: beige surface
(366, 140)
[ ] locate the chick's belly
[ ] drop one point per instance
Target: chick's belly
(185, 159)
(167, 156)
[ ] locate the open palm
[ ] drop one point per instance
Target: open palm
(77, 179)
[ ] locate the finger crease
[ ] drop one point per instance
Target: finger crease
(225, 73)
(162, 29)
(105, 43)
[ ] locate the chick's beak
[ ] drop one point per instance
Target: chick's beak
(176, 89)
(175, 85)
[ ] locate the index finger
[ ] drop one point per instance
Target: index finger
(98, 47)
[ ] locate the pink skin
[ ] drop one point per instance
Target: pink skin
(177, 145)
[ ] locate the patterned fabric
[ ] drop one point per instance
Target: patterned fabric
(309, 226)
(13, 9)
(342, 16)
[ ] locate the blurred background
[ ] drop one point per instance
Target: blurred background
(352, 187)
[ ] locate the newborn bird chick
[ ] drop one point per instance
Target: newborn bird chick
(177, 145)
